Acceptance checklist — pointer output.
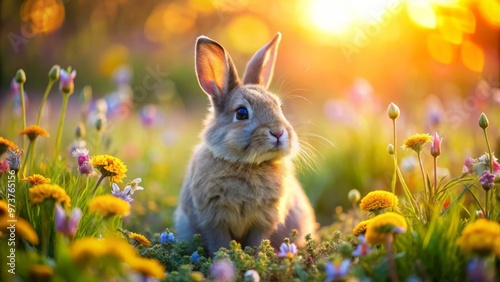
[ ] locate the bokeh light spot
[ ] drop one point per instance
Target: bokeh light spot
(490, 9)
(112, 58)
(255, 34)
(441, 50)
(472, 56)
(422, 13)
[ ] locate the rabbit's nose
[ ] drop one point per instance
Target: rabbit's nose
(277, 133)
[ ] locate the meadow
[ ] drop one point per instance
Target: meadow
(397, 159)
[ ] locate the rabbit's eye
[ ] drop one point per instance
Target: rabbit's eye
(241, 113)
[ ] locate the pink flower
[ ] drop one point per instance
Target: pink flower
(4, 166)
(223, 271)
(82, 155)
(66, 82)
(65, 224)
(436, 145)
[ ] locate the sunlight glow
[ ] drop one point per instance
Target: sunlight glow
(340, 16)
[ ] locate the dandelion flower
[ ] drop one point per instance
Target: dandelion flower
(361, 227)
(109, 166)
(148, 267)
(108, 205)
(40, 272)
(6, 145)
(42, 192)
(23, 229)
(33, 131)
(85, 250)
(4, 208)
(416, 142)
(481, 237)
(36, 179)
(383, 224)
(139, 239)
(377, 200)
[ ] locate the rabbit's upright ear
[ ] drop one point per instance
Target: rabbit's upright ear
(215, 70)
(260, 68)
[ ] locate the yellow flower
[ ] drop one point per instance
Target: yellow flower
(109, 166)
(361, 227)
(33, 131)
(148, 267)
(40, 272)
(86, 249)
(377, 200)
(4, 208)
(5, 145)
(23, 229)
(42, 192)
(482, 237)
(416, 142)
(139, 239)
(383, 224)
(108, 205)
(37, 179)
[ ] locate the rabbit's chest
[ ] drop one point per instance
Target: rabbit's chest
(241, 203)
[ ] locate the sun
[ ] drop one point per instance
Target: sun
(331, 16)
(339, 17)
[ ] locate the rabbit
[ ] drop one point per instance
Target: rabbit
(240, 183)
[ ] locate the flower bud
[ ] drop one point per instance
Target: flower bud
(80, 131)
(393, 111)
(354, 195)
(20, 76)
(100, 123)
(483, 121)
(390, 149)
(436, 145)
(54, 73)
(86, 94)
(66, 83)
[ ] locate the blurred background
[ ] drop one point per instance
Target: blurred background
(339, 66)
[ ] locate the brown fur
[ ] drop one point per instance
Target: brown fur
(241, 184)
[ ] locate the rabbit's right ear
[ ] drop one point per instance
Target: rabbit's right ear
(215, 70)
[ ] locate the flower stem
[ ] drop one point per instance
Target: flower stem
(395, 156)
(422, 171)
(98, 182)
(61, 124)
(487, 211)
(23, 108)
(27, 158)
(45, 95)
(390, 257)
(434, 190)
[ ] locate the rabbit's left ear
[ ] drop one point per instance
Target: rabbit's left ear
(261, 67)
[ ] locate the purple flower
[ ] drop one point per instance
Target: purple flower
(167, 237)
(148, 115)
(82, 155)
(363, 248)
(223, 271)
(487, 180)
(287, 250)
(336, 270)
(195, 257)
(14, 159)
(124, 195)
(251, 276)
(66, 82)
(478, 271)
(65, 224)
